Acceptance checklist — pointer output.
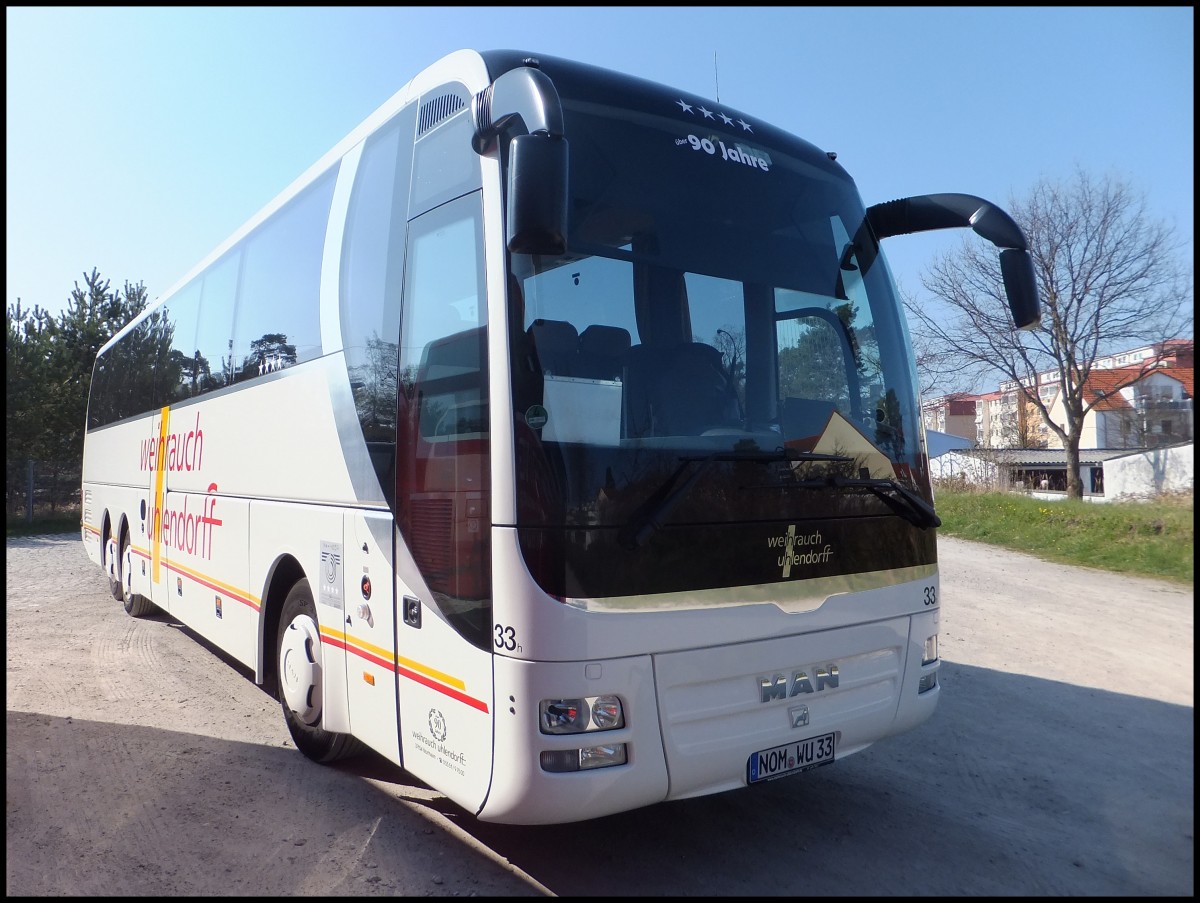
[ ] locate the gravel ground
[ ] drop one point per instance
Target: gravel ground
(1060, 762)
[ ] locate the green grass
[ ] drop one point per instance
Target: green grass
(1146, 539)
(60, 522)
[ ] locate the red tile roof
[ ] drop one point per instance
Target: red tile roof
(1102, 381)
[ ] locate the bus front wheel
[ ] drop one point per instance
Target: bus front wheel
(301, 670)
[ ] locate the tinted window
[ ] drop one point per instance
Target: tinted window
(182, 360)
(279, 300)
(443, 442)
(371, 280)
(213, 358)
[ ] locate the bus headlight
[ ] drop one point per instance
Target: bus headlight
(607, 714)
(574, 716)
(930, 654)
(928, 657)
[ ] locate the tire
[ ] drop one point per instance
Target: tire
(301, 680)
(112, 565)
(136, 604)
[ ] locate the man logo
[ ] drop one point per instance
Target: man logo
(780, 687)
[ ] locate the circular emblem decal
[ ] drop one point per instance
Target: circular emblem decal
(536, 416)
(437, 725)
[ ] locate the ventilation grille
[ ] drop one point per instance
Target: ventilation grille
(438, 110)
(432, 538)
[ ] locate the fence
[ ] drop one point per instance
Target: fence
(36, 489)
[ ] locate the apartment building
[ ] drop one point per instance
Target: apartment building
(1150, 411)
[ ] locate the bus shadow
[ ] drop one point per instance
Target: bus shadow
(102, 809)
(1015, 786)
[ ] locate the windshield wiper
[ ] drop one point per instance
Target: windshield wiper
(648, 519)
(902, 500)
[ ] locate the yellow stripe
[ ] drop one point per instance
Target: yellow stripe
(160, 473)
(400, 660)
(228, 587)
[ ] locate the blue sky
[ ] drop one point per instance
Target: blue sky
(139, 139)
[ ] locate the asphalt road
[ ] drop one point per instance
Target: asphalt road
(1059, 762)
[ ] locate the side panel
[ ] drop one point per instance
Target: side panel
(312, 535)
(119, 467)
(370, 632)
(206, 570)
(90, 520)
(274, 439)
(446, 703)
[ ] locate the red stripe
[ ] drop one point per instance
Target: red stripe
(411, 675)
(225, 591)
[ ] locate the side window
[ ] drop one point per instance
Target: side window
(371, 282)
(126, 374)
(147, 347)
(118, 382)
(279, 298)
(443, 437)
(212, 361)
(182, 355)
(99, 400)
(444, 314)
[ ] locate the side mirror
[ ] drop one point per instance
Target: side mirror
(1020, 285)
(537, 194)
(522, 108)
(953, 211)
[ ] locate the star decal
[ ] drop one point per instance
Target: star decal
(686, 107)
(707, 113)
(725, 119)
(745, 125)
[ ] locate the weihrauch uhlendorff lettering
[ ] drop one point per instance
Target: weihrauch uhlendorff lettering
(179, 451)
(187, 526)
(189, 531)
(792, 544)
(445, 756)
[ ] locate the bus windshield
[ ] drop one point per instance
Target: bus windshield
(712, 304)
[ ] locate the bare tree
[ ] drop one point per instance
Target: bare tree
(939, 372)
(1109, 277)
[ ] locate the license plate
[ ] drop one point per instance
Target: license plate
(790, 758)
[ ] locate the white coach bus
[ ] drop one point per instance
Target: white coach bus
(555, 436)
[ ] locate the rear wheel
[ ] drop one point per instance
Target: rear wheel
(301, 668)
(112, 564)
(135, 604)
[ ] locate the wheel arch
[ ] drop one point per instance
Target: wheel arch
(106, 522)
(284, 573)
(116, 525)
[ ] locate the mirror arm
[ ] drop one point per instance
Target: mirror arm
(523, 98)
(955, 211)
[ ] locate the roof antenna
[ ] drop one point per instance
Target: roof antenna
(716, 81)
